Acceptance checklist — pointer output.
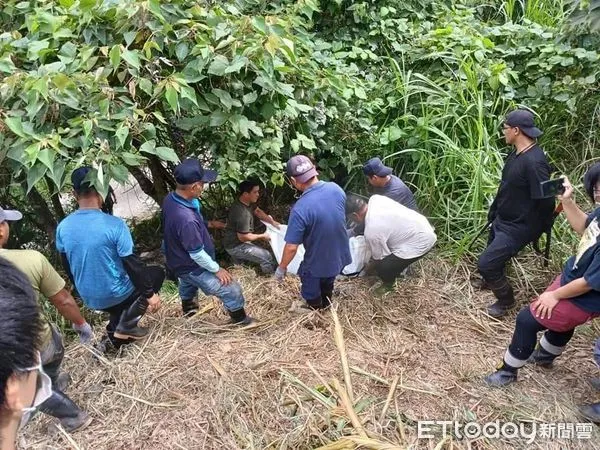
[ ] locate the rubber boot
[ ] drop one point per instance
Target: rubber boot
(591, 412)
(63, 408)
(501, 378)
(315, 304)
(326, 299)
(189, 307)
(127, 328)
(542, 357)
(240, 317)
(109, 345)
(505, 299)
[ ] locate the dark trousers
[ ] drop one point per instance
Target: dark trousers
(317, 291)
(59, 404)
(504, 242)
(157, 274)
(390, 267)
(525, 335)
(52, 356)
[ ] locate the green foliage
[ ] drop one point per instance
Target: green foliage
(121, 84)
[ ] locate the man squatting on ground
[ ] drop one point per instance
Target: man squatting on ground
(318, 221)
(239, 235)
(383, 182)
(519, 215)
(572, 299)
(46, 281)
(23, 384)
(189, 249)
(396, 235)
(97, 252)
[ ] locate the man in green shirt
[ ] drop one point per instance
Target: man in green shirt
(47, 282)
(239, 235)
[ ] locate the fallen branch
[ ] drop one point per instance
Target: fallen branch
(146, 402)
(389, 397)
(339, 342)
(347, 404)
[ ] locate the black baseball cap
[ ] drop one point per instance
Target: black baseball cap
(191, 171)
(375, 166)
(524, 120)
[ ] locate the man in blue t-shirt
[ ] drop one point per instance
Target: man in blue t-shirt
(317, 220)
(97, 253)
(384, 183)
(189, 249)
(571, 300)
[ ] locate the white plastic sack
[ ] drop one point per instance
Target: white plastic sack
(361, 254)
(359, 250)
(278, 242)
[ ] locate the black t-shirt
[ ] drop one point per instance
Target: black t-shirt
(240, 220)
(519, 200)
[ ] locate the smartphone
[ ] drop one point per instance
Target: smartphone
(552, 188)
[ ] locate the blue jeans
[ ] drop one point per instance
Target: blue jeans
(231, 294)
(597, 352)
(254, 254)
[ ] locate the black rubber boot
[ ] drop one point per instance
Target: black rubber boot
(127, 327)
(109, 345)
(189, 307)
(505, 299)
(501, 378)
(316, 303)
(591, 412)
(240, 317)
(542, 357)
(63, 408)
(326, 298)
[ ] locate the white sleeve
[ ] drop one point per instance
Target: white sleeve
(377, 242)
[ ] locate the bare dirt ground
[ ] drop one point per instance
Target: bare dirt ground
(419, 353)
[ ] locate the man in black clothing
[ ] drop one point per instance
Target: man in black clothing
(519, 215)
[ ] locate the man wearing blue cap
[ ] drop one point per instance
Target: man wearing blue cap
(97, 252)
(519, 214)
(189, 249)
(317, 220)
(383, 182)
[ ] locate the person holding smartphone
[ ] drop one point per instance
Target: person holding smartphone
(572, 299)
(519, 214)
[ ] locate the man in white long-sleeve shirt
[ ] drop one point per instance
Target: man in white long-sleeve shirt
(396, 235)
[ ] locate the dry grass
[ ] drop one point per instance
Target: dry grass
(419, 353)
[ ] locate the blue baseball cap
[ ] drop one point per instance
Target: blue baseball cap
(78, 177)
(374, 166)
(191, 171)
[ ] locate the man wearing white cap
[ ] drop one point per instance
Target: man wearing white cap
(317, 220)
(46, 281)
